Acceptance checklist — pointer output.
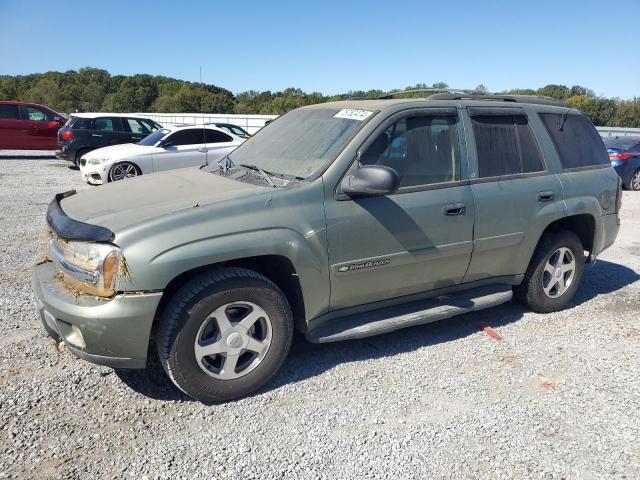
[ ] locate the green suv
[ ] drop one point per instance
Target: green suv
(339, 220)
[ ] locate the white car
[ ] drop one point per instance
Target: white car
(165, 149)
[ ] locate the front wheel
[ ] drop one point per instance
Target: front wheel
(123, 170)
(554, 273)
(225, 334)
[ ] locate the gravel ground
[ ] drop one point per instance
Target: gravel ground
(557, 397)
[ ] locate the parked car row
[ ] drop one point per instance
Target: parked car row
(144, 146)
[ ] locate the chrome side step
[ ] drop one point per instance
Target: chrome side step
(415, 313)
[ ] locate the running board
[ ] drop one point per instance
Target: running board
(407, 315)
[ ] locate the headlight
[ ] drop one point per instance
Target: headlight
(96, 161)
(88, 267)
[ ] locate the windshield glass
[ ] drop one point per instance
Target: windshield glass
(154, 138)
(301, 141)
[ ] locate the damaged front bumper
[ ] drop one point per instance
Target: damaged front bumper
(113, 332)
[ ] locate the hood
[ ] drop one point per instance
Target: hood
(129, 202)
(114, 151)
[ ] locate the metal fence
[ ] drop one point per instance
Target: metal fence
(253, 123)
(617, 131)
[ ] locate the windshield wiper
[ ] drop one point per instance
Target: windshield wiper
(225, 163)
(264, 174)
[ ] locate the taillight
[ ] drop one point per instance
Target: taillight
(621, 156)
(619, 195)
(67, 135)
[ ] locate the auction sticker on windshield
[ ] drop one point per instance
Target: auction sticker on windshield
(353, 114)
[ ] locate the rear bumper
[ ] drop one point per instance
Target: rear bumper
(113, 332)
(64, 155)
(607, 228)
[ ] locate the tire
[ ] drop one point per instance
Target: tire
(79, 155)
(193, 313)
(634, 181)
(540, 274)
(122, 170)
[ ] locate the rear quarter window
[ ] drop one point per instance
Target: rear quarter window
(576, 140)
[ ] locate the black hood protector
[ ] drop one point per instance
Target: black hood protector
(73, 230)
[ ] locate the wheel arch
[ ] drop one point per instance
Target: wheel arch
(583, 225)
(277, 268)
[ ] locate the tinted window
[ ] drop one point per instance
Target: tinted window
(238, 131)
(576, 140)
(37, 114)
(190, 136)
(505, 145)
(421, 149)
(81, 123)
(137, 126)
(107, 124)
(9, 111)
(215, 136)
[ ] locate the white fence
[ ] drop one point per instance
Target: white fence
(253, 123)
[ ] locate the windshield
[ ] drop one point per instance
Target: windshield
(154, 138)
(300, 142)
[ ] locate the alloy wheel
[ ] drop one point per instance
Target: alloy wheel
(233, 340)
(559, 272)
(122, 171)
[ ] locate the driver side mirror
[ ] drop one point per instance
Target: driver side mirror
(371, 180)
(164, 143)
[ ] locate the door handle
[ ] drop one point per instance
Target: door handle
(96, 135)
(454, 209)
(545, 196)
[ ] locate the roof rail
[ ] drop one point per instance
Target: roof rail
(535, 99)
(452, 91)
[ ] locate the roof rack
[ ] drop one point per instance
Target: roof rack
(464, 94)
(452, 91)
(535, 99)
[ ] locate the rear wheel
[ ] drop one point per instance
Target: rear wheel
(123, 170)
(225, 334)
(554, 273)
(634, 182)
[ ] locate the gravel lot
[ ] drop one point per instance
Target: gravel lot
(557, 397)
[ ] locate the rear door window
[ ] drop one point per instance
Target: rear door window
(505, 146)
(189, 136)
(108, 124)
(576, 140)
(9, 112)
(215, 136)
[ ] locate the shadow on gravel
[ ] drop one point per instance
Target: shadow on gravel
(308, 360)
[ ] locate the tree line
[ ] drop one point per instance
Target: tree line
(93, 89)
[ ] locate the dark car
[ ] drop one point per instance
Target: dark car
(87, 131)
(28, 126)
(624, 154)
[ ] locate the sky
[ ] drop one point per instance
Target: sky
(333, 46)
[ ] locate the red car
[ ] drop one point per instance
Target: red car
(28, 126)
